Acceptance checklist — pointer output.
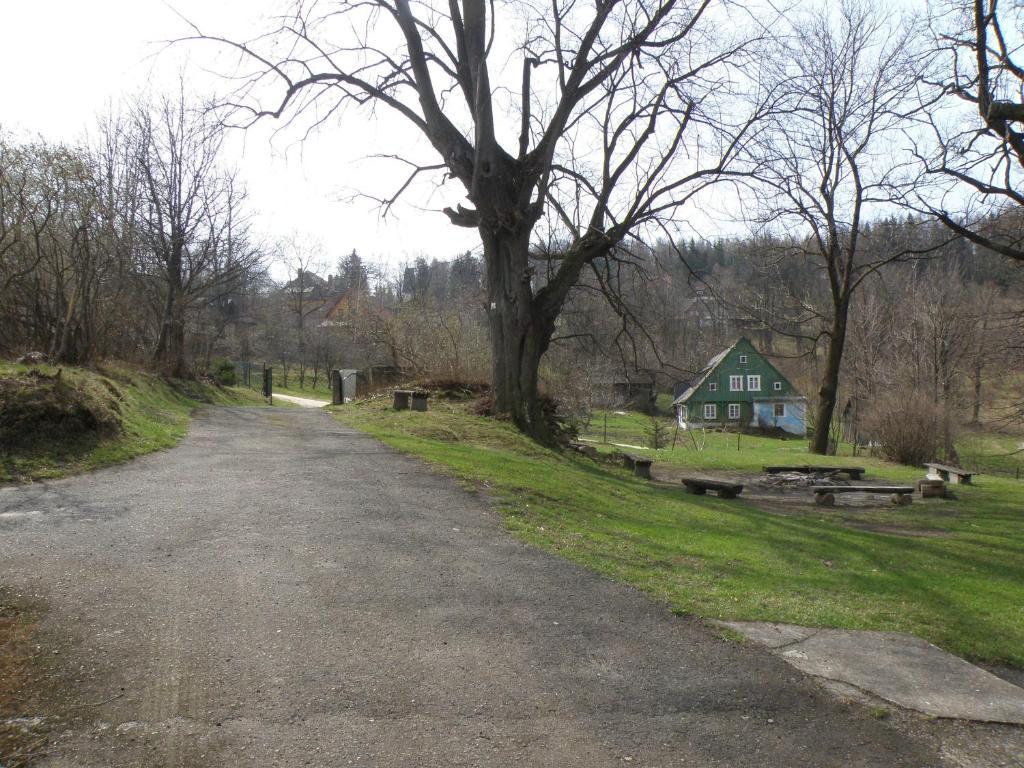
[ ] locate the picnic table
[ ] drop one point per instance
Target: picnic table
(825, 495)
(855, 473)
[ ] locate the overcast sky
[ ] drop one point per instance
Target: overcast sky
(63, 61)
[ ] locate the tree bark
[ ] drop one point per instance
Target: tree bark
(976, 405)
(520, 331)
(829, 390)
(170, 349)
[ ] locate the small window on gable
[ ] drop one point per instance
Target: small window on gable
(710, 411)
(777, 386)
(713, 386)
(735, 383)
(753, 383)
(734, 411)
(743, 359)
(780, 410)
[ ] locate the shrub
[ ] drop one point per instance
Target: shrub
(657, 433)
(224, 373)
(909, 429)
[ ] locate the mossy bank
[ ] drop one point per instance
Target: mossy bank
(57, 421)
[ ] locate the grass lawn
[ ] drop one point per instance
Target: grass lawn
(953, 574)
(150, 413)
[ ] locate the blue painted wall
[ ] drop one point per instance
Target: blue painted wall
(794, 422)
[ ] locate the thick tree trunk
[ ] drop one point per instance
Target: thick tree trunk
(520, 332)
(829, 390)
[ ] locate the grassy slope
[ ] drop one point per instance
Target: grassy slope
(962, 589)
(153, 412)
(980, 451)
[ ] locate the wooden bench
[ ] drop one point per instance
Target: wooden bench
(953, 475)
(854, 473)
(931, 489)
(825, 495)
(640, 465)
(701, 485)
(417, 398)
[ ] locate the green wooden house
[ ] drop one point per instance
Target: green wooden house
(740, 388)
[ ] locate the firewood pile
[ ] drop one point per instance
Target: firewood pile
(783, 480)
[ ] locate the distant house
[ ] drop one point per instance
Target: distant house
(740, 388)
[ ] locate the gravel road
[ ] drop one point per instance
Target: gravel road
(280, 590)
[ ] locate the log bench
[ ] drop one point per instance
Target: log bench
(640, 465)
(701, 485)
(825, 495)
(953, 475)
(931, 489)
(416, 398)
(854, 473)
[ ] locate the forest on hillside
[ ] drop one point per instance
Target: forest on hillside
(880, 265)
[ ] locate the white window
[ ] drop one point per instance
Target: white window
(710, 411)
(753, 383)
(713, 386)
(734, 411)
(780, 410)
(743, 359)
(777, 386)
(735, 383)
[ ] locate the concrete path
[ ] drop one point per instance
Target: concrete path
(899, 668)
(280, 590)
(305, 402)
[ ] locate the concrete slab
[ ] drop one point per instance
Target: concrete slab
(902, 669)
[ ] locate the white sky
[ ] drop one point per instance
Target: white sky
(63, 61)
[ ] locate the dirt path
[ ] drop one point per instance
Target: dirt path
(305, 402)
(282, 591)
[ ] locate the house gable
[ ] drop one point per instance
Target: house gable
(717, 383)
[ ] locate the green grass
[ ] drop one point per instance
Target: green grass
(986, 452)
(961, 586)
(150, 414)
(1000, 454)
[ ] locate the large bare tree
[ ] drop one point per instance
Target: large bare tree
(609, 119)
(828, 165)
(193, 231)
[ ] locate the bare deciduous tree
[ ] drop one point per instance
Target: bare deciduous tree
(192, 228)
(827, 163)
(621, 113)
(973, 167)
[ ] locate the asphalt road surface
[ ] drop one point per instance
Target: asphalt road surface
(280, 590)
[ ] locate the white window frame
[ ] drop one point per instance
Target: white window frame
(736, 383)
(713, 386)
(754, 383)
(710, 411)
(743, 359)
(734, 411)
(777, 386)
(775, 409)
